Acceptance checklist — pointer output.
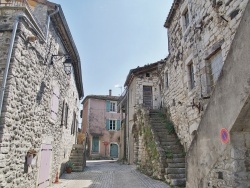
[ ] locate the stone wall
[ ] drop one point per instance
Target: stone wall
(211, 29)
(211, 162)
(232, 168)
(26, 118)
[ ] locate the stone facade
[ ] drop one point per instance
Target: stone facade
(133, 99)
(27, 122)
(103, 138)
(200, 35)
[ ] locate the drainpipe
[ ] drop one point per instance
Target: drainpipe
(48, 22)
(13, 35)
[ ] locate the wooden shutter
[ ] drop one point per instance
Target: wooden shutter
(107, 106)
(66, 115)
(55, 103)
(62, 121)
(118, 125)
(107, 124)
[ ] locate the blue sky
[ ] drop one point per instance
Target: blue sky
(114, 36)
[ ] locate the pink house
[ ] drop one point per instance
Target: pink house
(102, 123)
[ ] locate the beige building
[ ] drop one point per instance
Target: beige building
(141, 90)
(40, 92)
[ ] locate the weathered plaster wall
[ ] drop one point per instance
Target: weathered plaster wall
(97, 125)
(26, 119)
(212, 27)
(228, 108)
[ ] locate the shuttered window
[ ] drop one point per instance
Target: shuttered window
(66, 115)
(63, 115)
(55, 102)
(112, 125)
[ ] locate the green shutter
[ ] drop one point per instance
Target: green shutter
(107, 124)
(118, 125)
(107, 106)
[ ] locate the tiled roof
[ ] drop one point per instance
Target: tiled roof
(139, 70)
(101, 97)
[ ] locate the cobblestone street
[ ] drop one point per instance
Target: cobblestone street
(108, 174)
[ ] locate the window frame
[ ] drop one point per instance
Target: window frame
(166, 80)
(113, 106)
(112, 125)
(191, 75)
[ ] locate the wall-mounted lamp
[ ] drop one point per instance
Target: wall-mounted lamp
(67, 63)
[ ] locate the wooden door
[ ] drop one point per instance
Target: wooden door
(147, 96)
(114, 150)
(95, 144)
(44, 169)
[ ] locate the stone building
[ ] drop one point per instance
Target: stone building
(200, 34)
(40, 92)
(102, 123)
(141, 90)
(202, 61)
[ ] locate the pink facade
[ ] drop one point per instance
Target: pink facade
(102, 123)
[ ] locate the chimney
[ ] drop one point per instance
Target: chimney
(110, 92)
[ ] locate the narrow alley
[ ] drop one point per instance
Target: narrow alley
(108, 174)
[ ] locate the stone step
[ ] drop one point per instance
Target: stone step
(176, 165)
(175, 170)
(168, 138)
(175, 176)
(176, 160)
(80, 146)
(169, 143)
(176, 152)
(76, 153)
(178, 182)
(178, 155)
(174, 146)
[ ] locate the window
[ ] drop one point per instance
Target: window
(166, 80)
(66, 115)
(112, 106)
(73, 126)
(62, 120)
(55, 102)
(147, 74)
(112, 125)
(214, 67)
(186, 19)
(191, 75)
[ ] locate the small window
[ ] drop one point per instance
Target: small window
(112, 125)
(166, 80)
(191, 75)
(186, 19)
(55, 102)
(214, 67)
(63, 107)
(112, 107)
(73, 126)
(66, 115)
(147, 74)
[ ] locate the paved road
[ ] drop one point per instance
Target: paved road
(108, 174)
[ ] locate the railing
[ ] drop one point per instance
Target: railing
(123, 95)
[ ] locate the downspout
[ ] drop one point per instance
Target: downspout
(13, 36)
(48, 22)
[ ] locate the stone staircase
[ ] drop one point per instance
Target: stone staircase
(174, 151)
(77, 157)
